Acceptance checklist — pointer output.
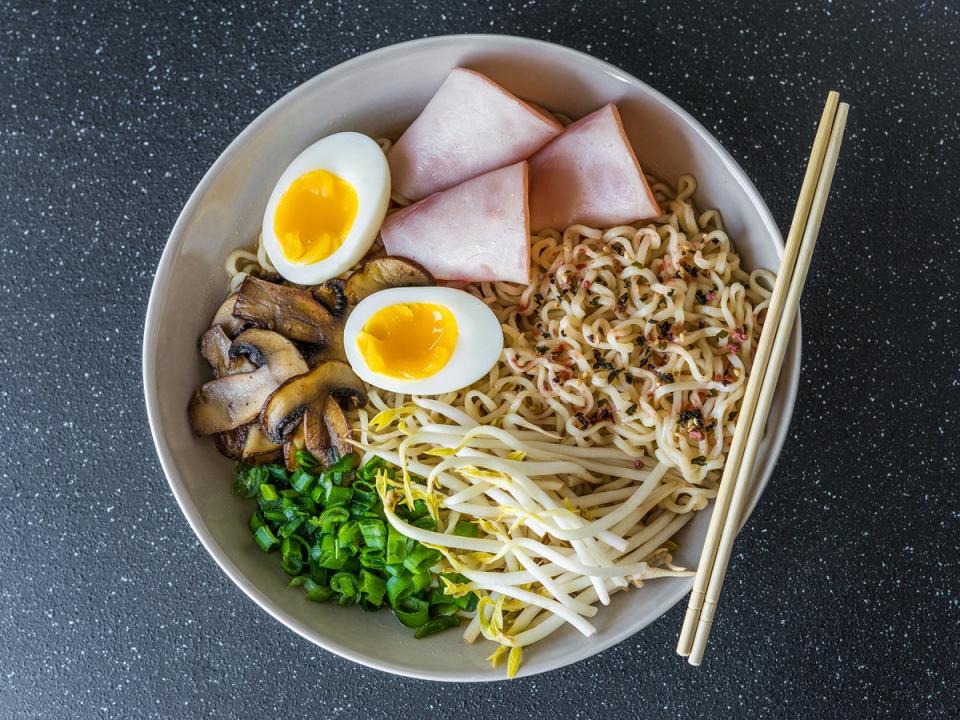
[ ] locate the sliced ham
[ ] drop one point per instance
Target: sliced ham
(471, 126)
(476, 231)
(589, 175)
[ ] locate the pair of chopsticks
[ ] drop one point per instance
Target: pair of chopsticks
(732, 497)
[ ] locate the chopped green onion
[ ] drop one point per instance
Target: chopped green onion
(350, 537)
(305, 459)
(301, 481)
(315, 591)
(265, 538)
(372, 558)
(422, 558)
(441, 609)
(344, 464)
(328, 554)
(419, 510)
(369, 470)
(256, 521)
(334, 539)
(274, 516)
(278, 473)
(422, 580)
(372, 587)
(412, 611)
(398, 587)
(337, 495)
(291, 560)
(291, 527)
(466, 602)
(425, 523)
(465, 528)
(330, 518)
(268, 497)
(345, 583)
(246, 480)
(374, 533)
(438, 624)
(396, 546)
(364, 494)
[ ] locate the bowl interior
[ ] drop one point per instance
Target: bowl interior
(379, 94)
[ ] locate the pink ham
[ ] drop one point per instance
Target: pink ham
(471, 126)
(476, 231)
(589, 175)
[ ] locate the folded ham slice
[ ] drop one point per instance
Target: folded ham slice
(471, 126)
(589, 175)
(476, 231)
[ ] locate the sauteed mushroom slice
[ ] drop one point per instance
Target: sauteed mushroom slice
(247, 443)
(316, 436)
(296, 441)
(234, 400)
(386, 272)
(215, 348)
(230, 442)
(319, 354)
(332, 296)
(257, 449)
(338, 428)
(224, 318)
(286, 405)
(293, 313)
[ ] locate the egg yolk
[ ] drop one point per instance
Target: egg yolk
(314, 216)
(408, 340)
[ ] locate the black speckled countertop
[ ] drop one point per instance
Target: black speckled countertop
(843, 598)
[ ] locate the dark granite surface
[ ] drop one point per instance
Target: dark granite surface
(842, 600)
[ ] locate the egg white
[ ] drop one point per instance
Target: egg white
(357, 159)
(479, 340)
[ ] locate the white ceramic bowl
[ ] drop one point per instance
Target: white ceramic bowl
(380, 93)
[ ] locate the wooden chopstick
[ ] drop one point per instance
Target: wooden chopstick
(761, 360)
(740, 498)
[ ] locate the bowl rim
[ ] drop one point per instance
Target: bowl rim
(160, 288)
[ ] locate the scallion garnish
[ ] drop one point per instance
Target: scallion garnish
(438, 624)
(265, 538)
(334, 539)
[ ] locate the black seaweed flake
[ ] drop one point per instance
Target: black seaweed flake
(690, 419)
(699, 460)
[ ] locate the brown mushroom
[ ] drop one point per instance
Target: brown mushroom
(296, 441)
(215, 348)
(234, 400)
(284, 408)
(291, 312)
(225, 319)
(385, 272)
(332, 296)
(338, 429)
(247, 443)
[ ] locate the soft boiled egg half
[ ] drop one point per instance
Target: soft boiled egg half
(327, 207)
(422, 340)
